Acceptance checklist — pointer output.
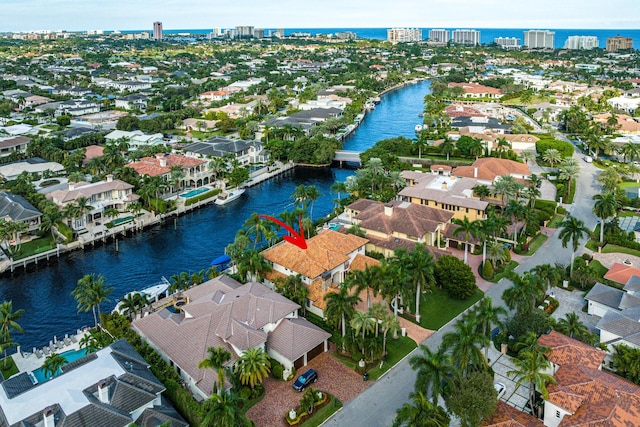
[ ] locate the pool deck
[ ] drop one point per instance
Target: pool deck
(28, 361)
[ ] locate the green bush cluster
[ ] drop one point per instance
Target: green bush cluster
(565, 148)
(201, 197)
(487, 270)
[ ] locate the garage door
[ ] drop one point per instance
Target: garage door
(316, 351)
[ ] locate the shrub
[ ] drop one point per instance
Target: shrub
(245, 393)
(455, 277)
(507, 256)
(487, 270)
(277, 371)
(201, 197)
(565, 148)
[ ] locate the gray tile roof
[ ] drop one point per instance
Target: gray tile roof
(633, 284)
(153, 417)
(17, 385)
(17, 208)
(618, 324)
(295, 337)
(219, 147)
(605, 295)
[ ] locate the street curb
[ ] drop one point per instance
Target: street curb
(332, 415)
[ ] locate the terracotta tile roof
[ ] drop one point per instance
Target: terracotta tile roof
(92, 152)
(360, 262)
(568, 351)
(325, 251)
(508, 416)
(153, 166)
(476, 88)
(458, 110)
(491, 167)
(219, 312)
(393, 243)
(621, 273)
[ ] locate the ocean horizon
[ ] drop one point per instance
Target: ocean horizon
(487, 35)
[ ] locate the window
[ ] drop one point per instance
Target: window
(557, 414)
(307, 302)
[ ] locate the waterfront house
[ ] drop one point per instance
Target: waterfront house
(33, 167)
(15, 208)
(111, 387)
(101, 195)
(224, 313)
(323, 266)
(475, 90)
(488, 169)
(398, 225)
(442, 190)
(196, 173)
(245, 152)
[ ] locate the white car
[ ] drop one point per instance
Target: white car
(501, 389)
(588, 159)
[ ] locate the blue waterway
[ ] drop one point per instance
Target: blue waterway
(195, 239)
(487, 35)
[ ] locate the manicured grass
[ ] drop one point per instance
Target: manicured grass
(10, 369)
(555, 221)
(628, 184)
(437, 308)
(322, 414)
(504, 272)
(609, 249)
(35, 246)
(396, 350)
(535, 244)
(600, 269)
(627, 213)
(591, 245)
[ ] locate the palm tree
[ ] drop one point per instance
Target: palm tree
(529, 342)
(530, 367)
(463, 344)
(503, 145)
(252, 265)
(366, 279)
(495, 252)
(389, 324)
(361, 322)
(528, 156)
(606, 206)
(447, 147)
(568, 172)
(433, 371)
(609, 179)
(552, 156)
(468, 228)
(571, 325)
(523, 294)
(177, 175)
(419, 269)
(90, 293)
(89, 343)
(421, 413)
(129, 305)
(52, 364)
(548, 273)
(572, 229)
(486, 316)
(217, 358)
(9, 323)
(338, 188)
(82, 206)
(340, 308)
(253, 366)
(224, 410)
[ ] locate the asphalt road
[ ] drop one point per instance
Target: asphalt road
(377, 405)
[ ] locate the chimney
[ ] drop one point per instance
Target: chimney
(109, 178)
(103, 391)
(388, 210)
(475, 172)
(72, 186)
(161, 160)
(444, 185)
(48, 418)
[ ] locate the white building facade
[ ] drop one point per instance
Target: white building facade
(466, 37)
(404, 35)
(539, 39)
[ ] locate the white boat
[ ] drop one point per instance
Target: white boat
(229, 196)
(418, 128)
(152, 292)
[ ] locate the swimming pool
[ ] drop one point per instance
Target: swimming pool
(334, 226)
(71, 355)
(194, 193)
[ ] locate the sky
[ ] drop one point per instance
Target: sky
(79, 15)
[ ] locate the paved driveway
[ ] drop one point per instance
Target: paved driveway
(333, 377)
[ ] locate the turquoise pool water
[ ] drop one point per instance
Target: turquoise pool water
(194, 193)
(70, 355)
(334, 226)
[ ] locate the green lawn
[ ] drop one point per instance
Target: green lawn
(609, 249)
(10, 369)
(322, 414)
(504, 272)
(535, 244)
(437, 308)
(628, 184)
(396, 351)
(35, 246)
(555, 221)
(600, 269)
(591, 245)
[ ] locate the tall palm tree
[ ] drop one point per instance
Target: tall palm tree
(9, 323)
(548, 273)
(340, 308)
(83, 206)
(252, 265)
(609, 179)
(606, 206)
(530, 367)
(90, 292)
(361, 321)
(523, 294)
(552, 156)
(366, 279)
(486, 316)
(421, 413)
(463, 345)
(253, 366)
(447, 147)
(433, 371)
(216, 359)
(224, 410)
(52, 364)
(571, 325)
(129, 305)
(572, 230)
(567, 173)
(419, 268)
(389, 324)
(468, 228)
(338, 188)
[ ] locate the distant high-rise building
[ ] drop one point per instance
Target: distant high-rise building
(439, 35)
(507, 42)
(244, 32)
(618, 42)
(539, 39)
(157, 30)
(400, 35)
(466, 37)
(581, 42)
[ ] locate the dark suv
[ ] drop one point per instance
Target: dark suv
(305, 379)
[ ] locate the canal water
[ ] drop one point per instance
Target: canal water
(190, 242)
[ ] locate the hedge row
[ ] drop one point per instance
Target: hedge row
(201, 197)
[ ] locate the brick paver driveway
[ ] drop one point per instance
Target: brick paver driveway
(333, 377)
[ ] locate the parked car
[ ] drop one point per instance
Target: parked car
(305, 379)
(588, 159)
(501, 389)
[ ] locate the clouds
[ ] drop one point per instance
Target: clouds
(22, 15)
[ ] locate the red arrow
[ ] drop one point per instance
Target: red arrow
(295, 238)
